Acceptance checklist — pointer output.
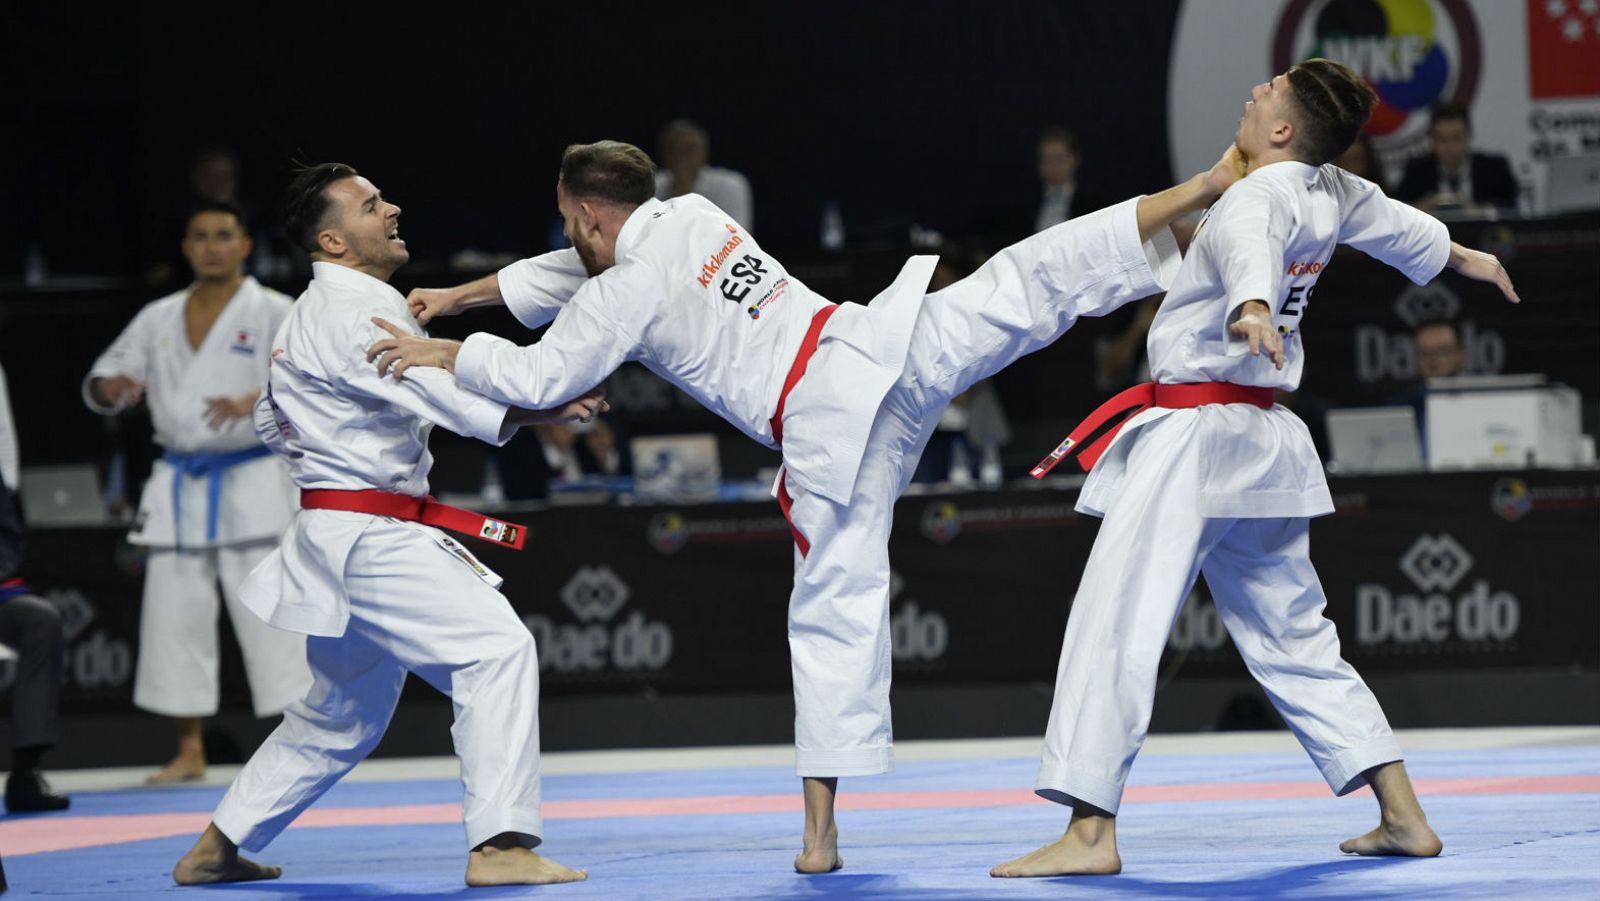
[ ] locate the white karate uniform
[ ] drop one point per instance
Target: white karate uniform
(205, 530)
(378, 596)
(695, 300)
(1226, 490)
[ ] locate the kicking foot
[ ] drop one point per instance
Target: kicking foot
(183, 768)
(1408, 839)
(216, 859)
(489, 865)
(820, 855)
(1069, 855)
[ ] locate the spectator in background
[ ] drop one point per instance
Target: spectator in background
(217, 500)
(1361, 158)
(1060, 198)
(1452, 176)
(685, 150)
(1440, 353)
(31, 626)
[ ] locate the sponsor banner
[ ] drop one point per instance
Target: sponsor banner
(1528, 71)
(1438, 572)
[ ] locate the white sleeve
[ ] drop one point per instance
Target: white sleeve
(582, 347)
(129, 355)
(1391, 232)
(537, 288)
(1247, 244)
(426, 392)
(10, 465)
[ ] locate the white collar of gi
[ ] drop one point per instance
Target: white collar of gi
(353, 278)
(1290, 169)
(629, 235)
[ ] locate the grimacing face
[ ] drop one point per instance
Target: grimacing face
(1264, 113)
(369, 225)
(215, 244)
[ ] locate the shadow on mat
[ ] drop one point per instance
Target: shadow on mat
(1318, 881)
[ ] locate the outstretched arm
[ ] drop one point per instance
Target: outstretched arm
(1157, 211)
(534, 289)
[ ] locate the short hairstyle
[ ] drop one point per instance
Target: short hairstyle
(1449, 112)
(305, 203)
(609, 171)
(1058, 135)
(1334, 103)
(215, 206)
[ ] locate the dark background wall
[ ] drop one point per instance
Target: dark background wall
(901, 112)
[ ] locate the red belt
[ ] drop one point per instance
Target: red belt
(425, 510)
(1138, 399)
(808, 346)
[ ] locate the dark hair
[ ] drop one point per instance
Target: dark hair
(1334, 101)
(1445, 321)
(215, 206)
(609, 171)
(305, 203)
(1446, 112)
(1057, 134)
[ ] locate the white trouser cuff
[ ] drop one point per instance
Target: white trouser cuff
(1054, 784)
(525, 821)
(248, 834)
(858, 762)
(1344, 771)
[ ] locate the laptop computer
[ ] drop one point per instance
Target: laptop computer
(62, 496)
(1374, 440)
(1572, 183)
(676, 467)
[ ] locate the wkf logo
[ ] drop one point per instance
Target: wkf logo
(1414, 53)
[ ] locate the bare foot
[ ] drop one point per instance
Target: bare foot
(183, 768)
(1414, 838)
(1087, 848)
(821, 855)
(489, 865)
(215, 858)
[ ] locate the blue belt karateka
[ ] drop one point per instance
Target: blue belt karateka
(210, 466)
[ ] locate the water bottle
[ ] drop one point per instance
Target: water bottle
(832, 226)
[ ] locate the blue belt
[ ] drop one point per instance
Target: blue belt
(210, 466)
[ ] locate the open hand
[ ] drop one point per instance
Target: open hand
(1255, 324)
(222, 412)
(1483, 267)
(397, 354)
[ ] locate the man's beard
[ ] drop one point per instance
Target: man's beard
(591, 263)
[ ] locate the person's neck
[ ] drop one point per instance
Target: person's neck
(1268, 157)
(381, 272)
(1458, 168)
(211, 293)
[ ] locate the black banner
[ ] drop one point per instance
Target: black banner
(1442, 571)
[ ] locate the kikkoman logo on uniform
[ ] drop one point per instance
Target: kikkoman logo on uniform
(595, 595)
(1436, 565)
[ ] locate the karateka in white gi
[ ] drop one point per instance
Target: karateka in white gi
(680, 287)
(379, 595)
(1214, 478)
(217, 500)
